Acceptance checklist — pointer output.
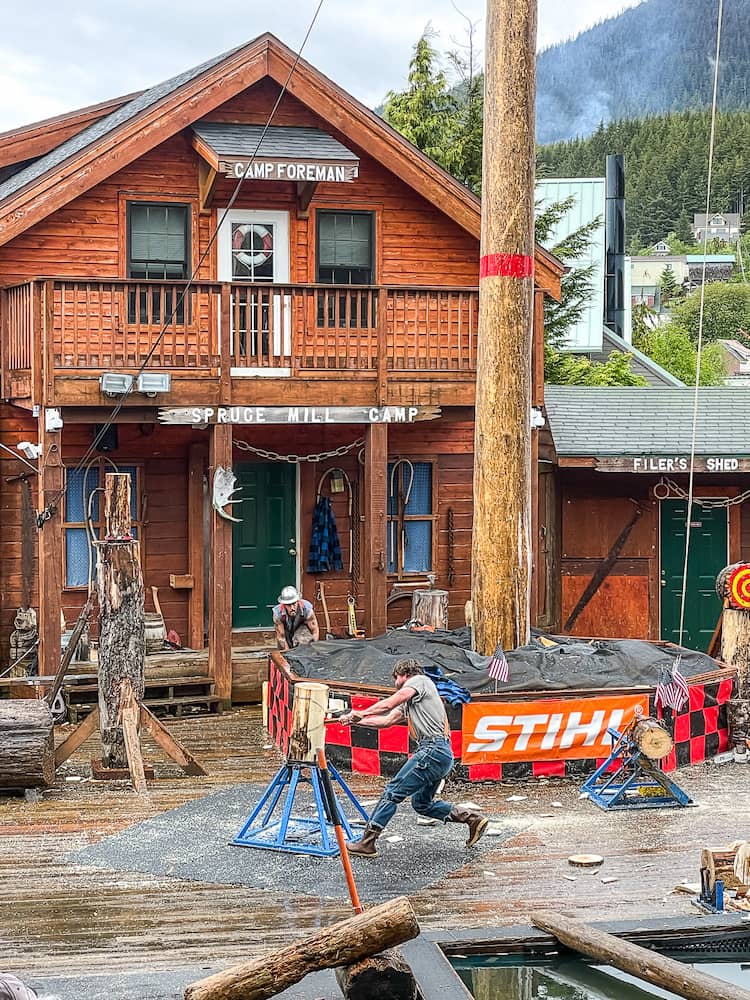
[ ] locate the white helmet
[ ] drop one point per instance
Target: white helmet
(289, 595)
(13, 989)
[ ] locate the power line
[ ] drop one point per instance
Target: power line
(50, 509)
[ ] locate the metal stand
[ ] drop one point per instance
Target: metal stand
(314, 834)
(634, 782)
(711, 900)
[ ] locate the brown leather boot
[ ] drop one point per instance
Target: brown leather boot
(366, 847)
(476, 822)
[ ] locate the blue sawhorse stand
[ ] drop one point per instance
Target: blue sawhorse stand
(634, 782)
(298, 834)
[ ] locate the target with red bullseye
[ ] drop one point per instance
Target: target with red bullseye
(738, 586)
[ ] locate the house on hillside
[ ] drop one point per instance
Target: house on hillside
(719, 226)
(325, 348)
(736, 357)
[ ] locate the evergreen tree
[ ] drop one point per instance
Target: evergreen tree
(668, 285)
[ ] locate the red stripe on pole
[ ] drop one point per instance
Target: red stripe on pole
(506, 265)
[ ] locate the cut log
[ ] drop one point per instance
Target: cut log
(27, 748)
(430, 607)
(648, 965)
(344, 943)
(121, 623)
(383, 977)
(738, 718)
(652, 739)
(735, 646)
(308, 721)
(720, 865)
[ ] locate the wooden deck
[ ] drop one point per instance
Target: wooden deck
(57, 917)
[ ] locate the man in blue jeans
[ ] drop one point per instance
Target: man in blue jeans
(416, 697)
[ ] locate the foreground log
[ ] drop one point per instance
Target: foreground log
(344, 943)
(121, 622)
(27, 749)
(387, 976)
(652, 739)
(667, 973)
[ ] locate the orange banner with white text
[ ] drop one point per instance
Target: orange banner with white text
(495, 732)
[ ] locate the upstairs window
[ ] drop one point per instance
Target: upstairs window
(411, 518)
(83, 500)
(345, 248)
(158, 241)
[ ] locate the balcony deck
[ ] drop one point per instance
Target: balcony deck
(376, 343)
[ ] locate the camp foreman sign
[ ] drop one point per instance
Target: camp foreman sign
(305, 171)
(501, 732)
(200, 415)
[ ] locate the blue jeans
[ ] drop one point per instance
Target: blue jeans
(418, 778)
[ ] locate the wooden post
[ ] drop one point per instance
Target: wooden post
(538, 567)
(735, 645)
(119, 585)
(196, 547)
(51, 498)
(220, 575)
(387, 976)
(375, 476)
(643, 963)
(344, 943)
(501, 558)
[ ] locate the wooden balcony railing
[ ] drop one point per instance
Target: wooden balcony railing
(87, 325)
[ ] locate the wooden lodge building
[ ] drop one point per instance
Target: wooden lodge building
(333, 314)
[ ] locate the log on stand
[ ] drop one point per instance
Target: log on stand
(430, 607)
(121, 623)
(386, 976)
(720, 865)
(308, 721)
(735, 651)
(683, 980)
(27, 749)
(651, 738)
(344, 943)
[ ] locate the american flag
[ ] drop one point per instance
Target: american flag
(672, 690)
(497, 668)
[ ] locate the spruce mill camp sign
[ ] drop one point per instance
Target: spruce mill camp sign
(673, 463)
(201, 415)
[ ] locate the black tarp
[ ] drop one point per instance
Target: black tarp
(569, 664)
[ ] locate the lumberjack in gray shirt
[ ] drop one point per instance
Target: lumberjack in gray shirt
(416, 697)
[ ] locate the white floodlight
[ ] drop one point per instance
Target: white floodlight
(115, 383)
(153, 383)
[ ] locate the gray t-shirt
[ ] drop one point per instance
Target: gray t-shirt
(425, 709)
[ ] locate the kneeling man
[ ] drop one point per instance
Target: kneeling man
(416, 697)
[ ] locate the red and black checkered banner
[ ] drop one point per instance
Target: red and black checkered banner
(700, 732)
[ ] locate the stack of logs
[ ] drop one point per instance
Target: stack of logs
(732, 866)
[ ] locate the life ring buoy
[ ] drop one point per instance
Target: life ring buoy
(260, 252)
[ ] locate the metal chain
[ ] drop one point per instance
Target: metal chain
(674, 490)
(273, 456)
(451, 547)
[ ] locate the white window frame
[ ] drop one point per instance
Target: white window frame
(281, 275)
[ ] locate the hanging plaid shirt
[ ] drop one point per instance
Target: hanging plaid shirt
(672, 690)
(325, 549)
(497, 668)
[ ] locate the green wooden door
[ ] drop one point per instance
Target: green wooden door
(264, 547)
(708, 554)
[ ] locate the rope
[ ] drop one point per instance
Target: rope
(691, 478)
(51, 508)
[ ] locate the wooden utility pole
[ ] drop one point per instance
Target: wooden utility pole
(501, 554)
(121, 620)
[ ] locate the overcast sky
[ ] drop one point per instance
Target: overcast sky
(57, 55)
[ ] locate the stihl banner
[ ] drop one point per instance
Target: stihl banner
(545, 730)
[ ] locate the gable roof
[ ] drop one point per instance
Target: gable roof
(30, 141)
(588, 421)
(153, 116)
(640, 363)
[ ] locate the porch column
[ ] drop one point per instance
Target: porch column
(196, 545)
(220, 573)
(376, 523)
(537, 400)
(51, 485)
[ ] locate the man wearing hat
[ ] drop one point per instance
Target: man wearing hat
(294, 620)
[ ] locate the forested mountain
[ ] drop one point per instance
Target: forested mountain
(649, 60)
(666, 163)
